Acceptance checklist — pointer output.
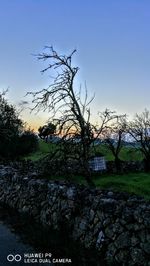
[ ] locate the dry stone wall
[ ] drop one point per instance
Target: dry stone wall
(117, 225)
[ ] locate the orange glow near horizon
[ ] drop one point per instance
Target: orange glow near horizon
(33, 124)
(34, 120)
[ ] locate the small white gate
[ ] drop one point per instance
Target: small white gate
(97, 164)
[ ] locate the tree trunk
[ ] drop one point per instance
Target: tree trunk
(89, 181)
(118, 165)
(147, 164)
(85, 159)
(87, 171)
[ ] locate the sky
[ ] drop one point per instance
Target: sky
(112, 39)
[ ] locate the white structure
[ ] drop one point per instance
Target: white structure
(97, 164)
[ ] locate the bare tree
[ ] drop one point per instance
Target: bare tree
(67, 111)
(139, 129)
(114, 137)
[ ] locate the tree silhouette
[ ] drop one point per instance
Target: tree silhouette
(139, 129)
(114, 136)
(10, 127)
(70, 113)
(47, 130)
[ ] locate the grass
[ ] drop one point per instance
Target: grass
(43, 150)
(138, 183)
(126, 154)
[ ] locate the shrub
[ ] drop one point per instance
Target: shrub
(28, 142)
(10, 127)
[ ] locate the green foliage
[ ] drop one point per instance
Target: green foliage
(47, 130)
(13, 140)
(10, 126)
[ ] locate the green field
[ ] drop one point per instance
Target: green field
(138, 183)
(126, 154)
(43, 150)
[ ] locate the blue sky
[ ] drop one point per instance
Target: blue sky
(112, 39)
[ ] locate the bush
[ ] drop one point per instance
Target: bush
(28, 142)
(10, 127)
